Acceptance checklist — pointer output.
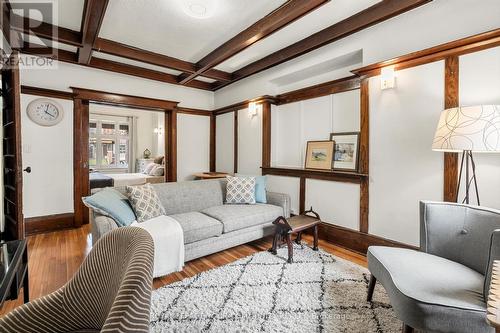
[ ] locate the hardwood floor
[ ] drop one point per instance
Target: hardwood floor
(55, 257)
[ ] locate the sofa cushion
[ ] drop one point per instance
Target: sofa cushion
(427, 291)
(235, 217)
(197, 226)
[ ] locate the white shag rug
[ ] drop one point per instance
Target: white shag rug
(262, 293)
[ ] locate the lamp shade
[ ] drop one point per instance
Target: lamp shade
(474, 128)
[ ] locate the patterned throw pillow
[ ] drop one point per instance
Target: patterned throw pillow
(145, 202)
(240, 190)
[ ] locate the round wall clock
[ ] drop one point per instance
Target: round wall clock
(45, 112)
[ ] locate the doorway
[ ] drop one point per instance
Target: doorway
(82, 100)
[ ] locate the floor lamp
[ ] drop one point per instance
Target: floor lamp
(468, 130)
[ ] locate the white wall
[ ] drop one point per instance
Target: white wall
(418, 29)
(224, 143)
(193, 145)
(249, 142)
(403, 168)
(48, 189)
(480, 84)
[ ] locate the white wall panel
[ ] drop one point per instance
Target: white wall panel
(480, 84)
(249, 142)
(48, 189)
(193, 145)
(224, 143)
(316, 119)
(286, 135)
(403, 167)
(346, 111)
(289, 185)
(336, 203)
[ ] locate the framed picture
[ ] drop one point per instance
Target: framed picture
(319, 155)
(346, 151)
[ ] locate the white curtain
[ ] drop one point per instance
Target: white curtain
(132, 143)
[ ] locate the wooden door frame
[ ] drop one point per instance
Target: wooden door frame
(81, 100)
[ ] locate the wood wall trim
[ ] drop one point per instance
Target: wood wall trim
(355, 240)
(235, 142)
(451, 100)
(243, 105)
(50, 93)
(364, 156)
(93, 14)
(335, 176)
(319, 90)
(266, 134)
(171, 145)
(123, 100)
(192, 111)
(80, 159)
(375, 14)
(48, 223)
(455, 48)
(269, 24)
(213, 140)
(302, 195)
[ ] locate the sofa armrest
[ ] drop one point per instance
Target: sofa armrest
(494, 255)
(100, 225)
(280, 199)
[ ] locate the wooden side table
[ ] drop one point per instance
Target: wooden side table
(14, 270)
(295, 225)
(210, 175)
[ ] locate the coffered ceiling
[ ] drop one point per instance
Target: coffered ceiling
(205, 44)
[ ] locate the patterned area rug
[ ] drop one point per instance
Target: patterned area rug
(262, 293)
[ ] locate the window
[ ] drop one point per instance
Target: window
(109, 141)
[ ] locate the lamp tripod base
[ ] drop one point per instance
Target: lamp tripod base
(469, 167)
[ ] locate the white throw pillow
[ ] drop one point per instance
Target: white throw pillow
(158, 171)
(240, 190)
(148, 168)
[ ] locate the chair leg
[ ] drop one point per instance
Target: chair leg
(407, 329)
(371, 288)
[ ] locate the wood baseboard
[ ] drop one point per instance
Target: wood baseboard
(354, 240)
(48, 223)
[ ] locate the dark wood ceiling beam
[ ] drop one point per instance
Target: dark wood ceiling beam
(279, 18)
(133, 53)
(113, 66)
(45, 30)
(377, 13)
(93, 14)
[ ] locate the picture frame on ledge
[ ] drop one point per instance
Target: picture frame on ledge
(346, 156)
(319, 155)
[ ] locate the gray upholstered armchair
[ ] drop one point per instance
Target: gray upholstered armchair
(443, 287)
(111, 292)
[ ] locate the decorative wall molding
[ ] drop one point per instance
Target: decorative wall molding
(48, 223)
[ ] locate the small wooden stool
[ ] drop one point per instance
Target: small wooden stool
(296, 224)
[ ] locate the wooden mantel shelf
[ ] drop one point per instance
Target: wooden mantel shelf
(336, 176)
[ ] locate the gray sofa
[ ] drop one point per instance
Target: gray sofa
(444, 286)
(209, 225)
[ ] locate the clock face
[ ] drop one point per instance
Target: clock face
(45, 112)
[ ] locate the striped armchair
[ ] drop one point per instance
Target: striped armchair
(111, 292)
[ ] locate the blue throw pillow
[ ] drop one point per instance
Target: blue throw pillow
(111, 203)
(260, 188)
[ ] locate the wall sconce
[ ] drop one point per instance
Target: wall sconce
(253, 108)
(387, 78)
(159, 130)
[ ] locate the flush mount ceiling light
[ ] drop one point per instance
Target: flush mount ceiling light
(200, 9)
